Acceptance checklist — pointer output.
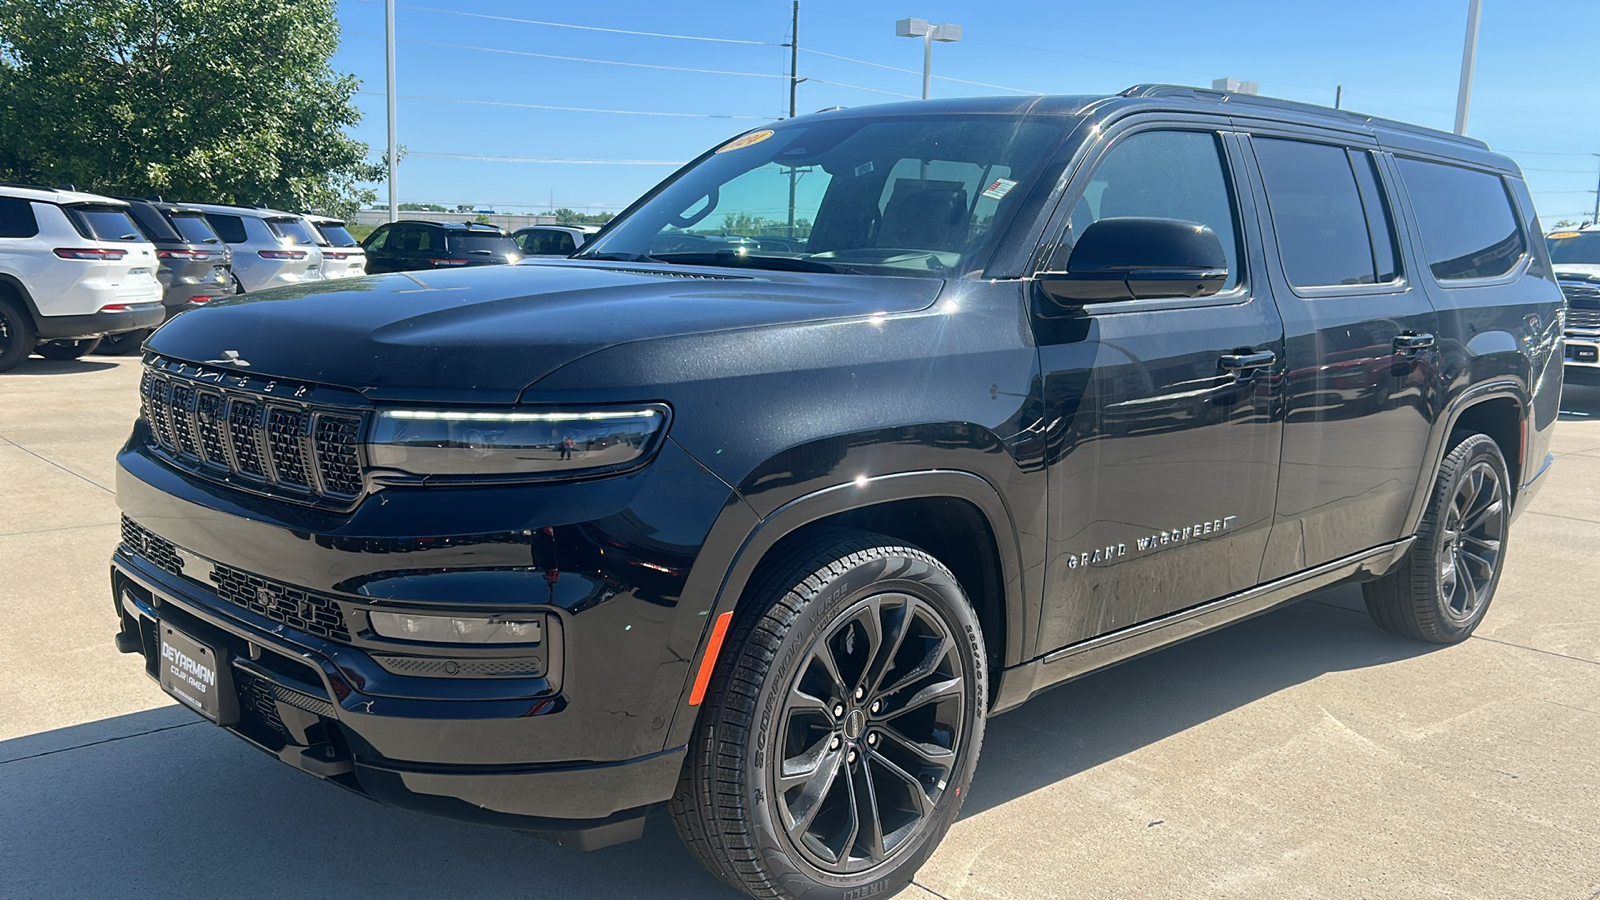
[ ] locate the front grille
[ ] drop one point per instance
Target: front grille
(461, 668)
(256, 703)
(1583, 305)
(291, 449)
(298, 608)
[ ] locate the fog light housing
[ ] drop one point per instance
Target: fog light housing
(457, 629)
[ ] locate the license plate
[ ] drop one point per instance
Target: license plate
(190, 672)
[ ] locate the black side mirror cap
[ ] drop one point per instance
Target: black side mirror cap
(1139, 258)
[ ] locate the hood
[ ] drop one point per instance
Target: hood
(486, 333)
(1577, 270)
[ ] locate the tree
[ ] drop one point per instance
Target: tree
(1566, 223)
(423, 207)
(565, 216)
(202, 100)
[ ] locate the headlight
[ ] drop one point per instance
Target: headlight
(455, 629)
(463, 445)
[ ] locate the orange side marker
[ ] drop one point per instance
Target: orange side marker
(702, 680)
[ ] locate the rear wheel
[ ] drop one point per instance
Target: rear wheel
(1442, 590)
(842, 727)
(17, 336)
(123, 344)
(64, 350)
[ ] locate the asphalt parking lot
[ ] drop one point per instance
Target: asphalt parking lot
(1300, 754)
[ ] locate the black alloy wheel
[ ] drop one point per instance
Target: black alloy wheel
(842, 725)
(1442, 589)
(16, 334)
(870, 733)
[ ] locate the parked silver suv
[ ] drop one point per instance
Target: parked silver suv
(271, 248)
(342, 254)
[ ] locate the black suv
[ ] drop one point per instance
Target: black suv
(412, 246)
(195, 266)
(763, 536)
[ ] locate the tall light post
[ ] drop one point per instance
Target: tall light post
(1469, 59)
(394, 162)
(946, 34)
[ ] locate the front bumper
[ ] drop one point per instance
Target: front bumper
(135, 317)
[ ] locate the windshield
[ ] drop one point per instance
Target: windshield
(336, 234)
(1575, 247)
(481, 244)
(194, 228)
(291, 231)
(915, 195)
(105, 223)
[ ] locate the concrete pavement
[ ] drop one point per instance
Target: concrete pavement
(1300, 754)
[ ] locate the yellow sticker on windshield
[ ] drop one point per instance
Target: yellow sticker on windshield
(746, 140)
(1563, 234)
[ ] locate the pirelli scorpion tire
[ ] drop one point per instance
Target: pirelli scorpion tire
(1443, 588)
(842, 725)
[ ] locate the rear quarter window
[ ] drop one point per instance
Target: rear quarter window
(17, 219)
(1469, 228)
(492, 244)
(194, 228)
(229, 228)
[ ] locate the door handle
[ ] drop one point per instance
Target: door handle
(1239, 362)
(1405, 342)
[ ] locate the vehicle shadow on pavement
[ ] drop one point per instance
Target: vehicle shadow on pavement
(157, 802)
(1095, 719)
(36, 366)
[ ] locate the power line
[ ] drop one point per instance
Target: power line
(625, 112)
(681, 37)
(608, 62)
(543, 159)
(858, 87)
(865, 62)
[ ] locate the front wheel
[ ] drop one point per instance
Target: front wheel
(65, 350)
(1442, 590)
(843, 724)
(16, 334)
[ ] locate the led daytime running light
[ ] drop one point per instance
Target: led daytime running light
(461, 416)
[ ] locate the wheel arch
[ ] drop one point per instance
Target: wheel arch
(931, 509)
(1498, 409)
(9, 284)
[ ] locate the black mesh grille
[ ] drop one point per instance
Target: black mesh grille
(335, 444)
(256, 705)
(286, 439)
(309, 452)
(296, 607)
(158, 550)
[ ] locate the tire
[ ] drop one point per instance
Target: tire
(65, 350)
(906, 725)
(125, 344)
(17, 335)
(238, 286)
(1443, 588)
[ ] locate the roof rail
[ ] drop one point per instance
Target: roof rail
(1214, 96)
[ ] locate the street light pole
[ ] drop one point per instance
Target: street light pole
(794, 85)
(1469, 59)
(945, 34)
(394, 161)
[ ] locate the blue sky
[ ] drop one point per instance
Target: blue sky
(1395, 58)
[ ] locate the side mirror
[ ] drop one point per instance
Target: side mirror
(1136, 258)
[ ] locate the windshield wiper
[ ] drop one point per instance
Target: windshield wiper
(755, 261)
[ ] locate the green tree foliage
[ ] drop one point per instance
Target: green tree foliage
(201, 100)
(422, 207)
(566, 216)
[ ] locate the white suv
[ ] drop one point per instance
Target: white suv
(271, 248)
(342, 255)
(73, 267)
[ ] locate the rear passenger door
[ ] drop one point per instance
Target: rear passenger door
(1361, 361)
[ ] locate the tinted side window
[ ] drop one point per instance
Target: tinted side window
(375, 240)
(1468, 227)
(17, 219)
(1164, 174)
(1317, 212)
(1380, 218)
(547, 243)
(229, 228)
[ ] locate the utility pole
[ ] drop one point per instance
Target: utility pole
(1469, 59)
(1596, 219)
(394, 155)
(1338, 96)
(794, 85)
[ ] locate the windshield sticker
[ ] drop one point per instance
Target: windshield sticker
(1563, 234)
(998, 188)
(746, 140)
(864, 169)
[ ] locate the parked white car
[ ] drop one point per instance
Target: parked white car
(553, 240)
(342, 255)
(73, 267)
(271, 248)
